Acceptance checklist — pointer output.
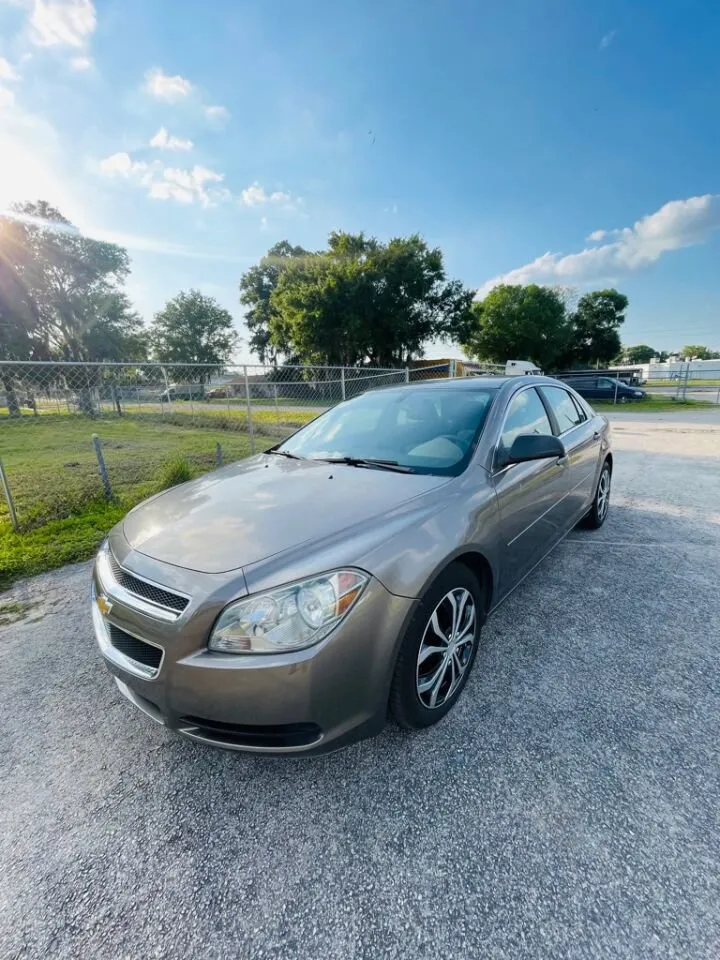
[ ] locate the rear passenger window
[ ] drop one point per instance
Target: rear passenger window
(525, 414)
(563, 406)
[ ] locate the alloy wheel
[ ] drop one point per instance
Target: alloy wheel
(603, 494)
(446, 648)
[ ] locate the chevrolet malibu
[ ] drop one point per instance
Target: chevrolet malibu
(291, 602)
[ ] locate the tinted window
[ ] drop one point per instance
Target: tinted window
(428, 429)
(606, 383)
(563, 406)
(526, 414)
(582, 383)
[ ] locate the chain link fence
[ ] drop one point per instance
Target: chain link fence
(74, 433)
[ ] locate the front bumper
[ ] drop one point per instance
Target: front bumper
(309, 701)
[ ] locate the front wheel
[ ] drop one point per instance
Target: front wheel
(438, 650)
(596, 515)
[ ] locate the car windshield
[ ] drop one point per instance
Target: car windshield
(427, 430)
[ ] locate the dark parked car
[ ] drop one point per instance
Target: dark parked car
(603, 388)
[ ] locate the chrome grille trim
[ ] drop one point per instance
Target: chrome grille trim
(107, 565)
(111, 653)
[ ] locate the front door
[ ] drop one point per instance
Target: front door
(582, 445)
(528, 494)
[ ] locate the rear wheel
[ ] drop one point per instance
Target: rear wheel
(596, 515)
(438, 650)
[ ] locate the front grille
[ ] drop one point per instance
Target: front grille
(246, 735)
(141, 588)
(135, 649)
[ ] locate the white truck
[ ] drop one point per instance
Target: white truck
(521, 368)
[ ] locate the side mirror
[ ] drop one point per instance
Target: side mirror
(531, 446)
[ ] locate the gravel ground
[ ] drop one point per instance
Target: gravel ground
(567, 808)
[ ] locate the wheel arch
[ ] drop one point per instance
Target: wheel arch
(477, 563)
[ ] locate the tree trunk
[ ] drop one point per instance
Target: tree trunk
(13, 404)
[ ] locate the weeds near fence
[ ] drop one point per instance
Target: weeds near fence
(176, 472)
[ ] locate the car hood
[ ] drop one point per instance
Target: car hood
(251, 510)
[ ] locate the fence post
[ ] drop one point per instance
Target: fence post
(8, 497)
(616, 386)
(249, 409)
(102, 469)
(218, 455)
(407, 374)
(342, 382)
(451, 369)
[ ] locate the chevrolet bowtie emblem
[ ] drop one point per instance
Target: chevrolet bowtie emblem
(104, 605)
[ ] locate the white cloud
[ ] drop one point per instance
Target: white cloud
(263, 223)
(677, 224)
(7, 98)
(62, 22)
(81, 63)
(7, 71)
(163, 141)
(158, 84)
(119, 164)
(217, 114)
(606, 40)
(255, 196)
(197, 184)
(189, 185)
(597, 235)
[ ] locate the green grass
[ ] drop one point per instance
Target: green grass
(651, 404)
(53, 475)
(690, 383)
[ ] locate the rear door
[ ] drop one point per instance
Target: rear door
(529, 494)
(582, 444)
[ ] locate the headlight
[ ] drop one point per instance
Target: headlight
(289, 618)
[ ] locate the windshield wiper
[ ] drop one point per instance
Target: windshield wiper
(285, 453)
(367, 462)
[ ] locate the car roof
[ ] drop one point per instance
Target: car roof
(475, 383)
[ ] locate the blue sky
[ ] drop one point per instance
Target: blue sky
(561, 142)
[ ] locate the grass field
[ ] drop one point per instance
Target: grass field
(655, 403)
(54, 479)
(698, 382)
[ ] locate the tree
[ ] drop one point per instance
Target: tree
(117, 333)
(193, 329)
(363, 301)
(641, 353)
(59, 293)
(256, 289)
(65, 274)
(698, 352)
(518, 322)
(595, 325)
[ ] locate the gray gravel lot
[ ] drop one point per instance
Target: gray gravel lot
(568, 807)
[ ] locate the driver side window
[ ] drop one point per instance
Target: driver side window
(525, 415)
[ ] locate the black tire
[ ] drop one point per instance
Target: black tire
(597, 514)
(407, 707)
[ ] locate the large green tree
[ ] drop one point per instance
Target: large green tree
(64, 274)
(695, 351)
(193, 329)
(595, 328)
(117, 333)
(257, 286)
(641, 353)
(61, 298)
(515, 322)
(359, 301)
